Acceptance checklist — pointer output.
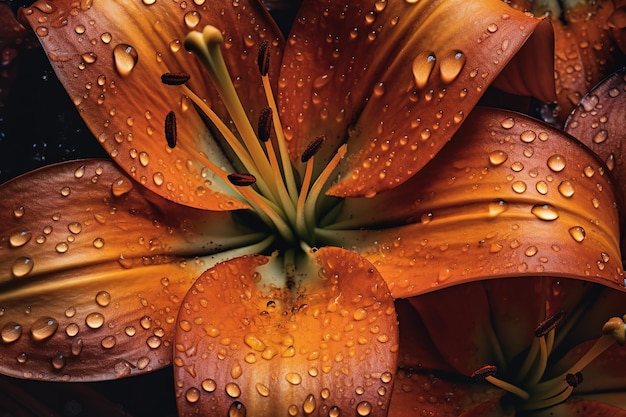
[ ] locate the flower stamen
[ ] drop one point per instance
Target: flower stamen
(488, 373)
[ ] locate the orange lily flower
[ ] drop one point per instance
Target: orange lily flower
(261, 262)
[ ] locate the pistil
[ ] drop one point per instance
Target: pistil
(529, 386)
(270, 186)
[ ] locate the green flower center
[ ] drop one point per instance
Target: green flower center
(281, 200)
(541, 381)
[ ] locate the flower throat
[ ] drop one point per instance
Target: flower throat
(271, 186)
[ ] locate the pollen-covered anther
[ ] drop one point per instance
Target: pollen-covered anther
(175, 78)
(616, 328)
(265, 124)
(313, 148)
(549, 324)
(485, 371)
(263, 59)
(241, 180)
(574, 380)
(170, 129)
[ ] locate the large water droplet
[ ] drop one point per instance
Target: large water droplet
(556, 163)
(11, 332)
(43, 328)
(545, 212)
(121, 186)
(451, 65)
(577, 233)
(364, 408)
(18, 239)
(423, 66)
(232, 390)
(192, 395)
(103, 298)
(94, 320)
(22, 267)
(125, 58)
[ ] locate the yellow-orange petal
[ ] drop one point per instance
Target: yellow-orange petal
(252, 341)
(394, 80)
(110, 57)
(509, 196)
(92, 271)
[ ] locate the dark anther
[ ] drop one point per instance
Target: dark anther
(170, 129)
(548, 324)
(175, 78)
(574, 380)
(313, 148)
(241, 180)
(484, 372)
(263, 58)
(265, 124)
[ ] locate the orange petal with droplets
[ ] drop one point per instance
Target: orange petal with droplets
(252, 341)
(509, 196)
(110, 57)
(92, 271)
(395, 81)
(598, 121)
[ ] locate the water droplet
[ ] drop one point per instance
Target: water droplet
(556, 163)
(237, 409)
(601, 136)
(94, 320)
(62, 247)
(542, 187)
(519, 186)
(308, 406)
(507, 123)
(72, 329)
(158, 178)
(566, 188)
(262, 390)
(545, 212)
(121, 186)
(360, 314)
(18, 212)
(254, 343)
(527, 136)
(98, 243)
(108, 342)
(75, 227)
(153, 342)
(77, 346)
(423, 66)
(22, 267)
(364, 408)
(209, 385)
(89, 57)
(125, 57)
(497, 158)
(10, 332)
(293, 378)
(236, 370)
(144, 159)
(58, 362)
(492, 28)
(192, 19)
(451, 65)
(103, 298)
(43, 328)
(232, 390)
(18, 239)
(192, 395)
(577, 233)
(106, 37)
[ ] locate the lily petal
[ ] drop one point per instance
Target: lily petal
(515, 199)
(248, 346)
(396, 77)
(420, 394)
(110, 56)
(91, 275)
(598, 122)
(585, 50)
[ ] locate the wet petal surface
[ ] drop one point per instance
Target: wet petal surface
(325, 346)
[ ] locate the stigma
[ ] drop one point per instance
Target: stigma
(283, 201)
